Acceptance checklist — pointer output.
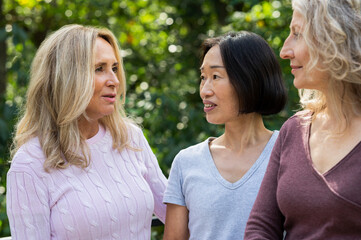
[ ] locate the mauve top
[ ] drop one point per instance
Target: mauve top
(294, 197)
(114, 198)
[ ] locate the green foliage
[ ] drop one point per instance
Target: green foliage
(160, 42)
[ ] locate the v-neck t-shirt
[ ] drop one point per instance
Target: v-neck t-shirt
(296, 198)
(218, 209)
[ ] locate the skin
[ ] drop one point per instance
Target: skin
(296, 49)
(106, 86)
(218, 95)
(333, 148)
(236, 150)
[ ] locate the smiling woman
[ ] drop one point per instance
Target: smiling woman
(240, 81)
(311, 189)
(80, 168)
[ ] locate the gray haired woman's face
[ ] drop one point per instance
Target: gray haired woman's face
(296, 50)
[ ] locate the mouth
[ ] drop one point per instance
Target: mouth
(109, 97)
(295, 68)
(209, 107)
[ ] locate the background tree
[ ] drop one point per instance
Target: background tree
(160, 42)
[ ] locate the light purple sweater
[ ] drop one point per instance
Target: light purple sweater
(294, 197)
(114, 198)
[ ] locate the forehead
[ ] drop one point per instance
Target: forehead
(297, 20)
(213, 57)
(103, 49)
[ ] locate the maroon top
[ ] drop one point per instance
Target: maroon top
(294, 197)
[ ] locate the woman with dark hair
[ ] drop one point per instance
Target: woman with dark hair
(212, 185)
(312, 187)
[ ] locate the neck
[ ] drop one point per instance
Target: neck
(87, 128)
(248, 131)
(342, 108)
(334, 117)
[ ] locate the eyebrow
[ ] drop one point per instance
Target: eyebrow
(294, 26)
(213, 66)
(104, 63)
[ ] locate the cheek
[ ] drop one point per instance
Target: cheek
(200, 91)
(235, 105)
(234, 98)
(98, 86)
(304, 53)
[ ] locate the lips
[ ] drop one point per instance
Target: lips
(109, 97)
(208, 106)
(295, 68)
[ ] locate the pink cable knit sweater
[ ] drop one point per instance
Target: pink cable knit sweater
(114, 198)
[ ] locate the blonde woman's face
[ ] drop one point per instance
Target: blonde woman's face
(296, 50)
(106, 81)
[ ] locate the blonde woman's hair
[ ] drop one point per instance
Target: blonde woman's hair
(60, 89)
(332, 32)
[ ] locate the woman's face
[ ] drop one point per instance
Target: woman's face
(295, 49)
(106, 82)
(218, 94)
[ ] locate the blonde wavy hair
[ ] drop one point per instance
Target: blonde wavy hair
(60, 89)
(332, 33)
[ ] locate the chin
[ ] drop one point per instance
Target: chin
(297, 84)
(108, 113)
(214, 121)
(104, 114)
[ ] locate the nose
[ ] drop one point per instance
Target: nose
(206, 89)
(287, 51)
(113, 80)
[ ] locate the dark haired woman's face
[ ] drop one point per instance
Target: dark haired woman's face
(106, 82)
(218, 94)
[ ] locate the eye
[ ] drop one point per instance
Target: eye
(215, 76)
(297, 35)
(99, 69)
(202, 78)
(115, 69)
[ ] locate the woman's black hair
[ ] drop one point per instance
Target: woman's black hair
(253, 70)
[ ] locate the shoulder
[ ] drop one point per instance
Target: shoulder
(295, 128)
(298, 120)
(272, 140)
(192, 154)
(135, 133)
(29, 157)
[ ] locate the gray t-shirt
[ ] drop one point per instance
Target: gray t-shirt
(217, 208)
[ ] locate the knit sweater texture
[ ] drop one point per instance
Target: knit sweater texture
(114, 198)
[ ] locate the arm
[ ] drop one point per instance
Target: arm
(155, 178)
(27, 205)
(266, 220)
(176, 223)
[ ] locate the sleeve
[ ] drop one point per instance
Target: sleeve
(174, 193)
(155, 178)
(27, 204)
(266, 220)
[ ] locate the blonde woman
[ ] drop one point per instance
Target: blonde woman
(312, 187)
(80, 168)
